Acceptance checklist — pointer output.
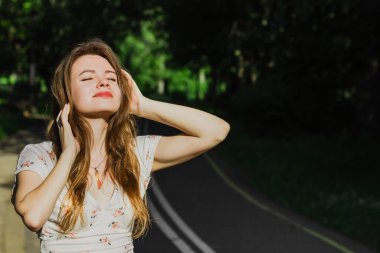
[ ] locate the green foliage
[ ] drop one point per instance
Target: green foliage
(192, 87)
(8, 80)
(146, 55)
(303, 63)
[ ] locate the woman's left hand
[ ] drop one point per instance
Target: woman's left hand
(137, 100)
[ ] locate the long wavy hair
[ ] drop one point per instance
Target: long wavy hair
(122, 163)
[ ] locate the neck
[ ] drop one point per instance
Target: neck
(99, 130)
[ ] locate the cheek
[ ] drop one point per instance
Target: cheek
(118, 96)
(79, 97)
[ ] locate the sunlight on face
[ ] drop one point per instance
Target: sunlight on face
(94, 87)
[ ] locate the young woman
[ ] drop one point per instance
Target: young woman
(83, 190)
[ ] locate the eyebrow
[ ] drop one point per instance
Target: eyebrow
(93, 71)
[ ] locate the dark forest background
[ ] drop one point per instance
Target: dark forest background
(300, 76)
(279, 65)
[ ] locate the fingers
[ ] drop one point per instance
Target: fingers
(68, 141)
(59, 121)
(63, 117)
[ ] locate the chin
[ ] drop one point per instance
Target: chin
(99, 112)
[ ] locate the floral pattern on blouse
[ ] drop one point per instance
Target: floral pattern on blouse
(27, 164)
(114, 225)
(51, 155)
(105, 240)
(47, 232)
(94, 214)
(118, 212)
(148, 155)
(42, 159)
(70, 235)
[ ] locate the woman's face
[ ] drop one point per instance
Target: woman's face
(94, 87)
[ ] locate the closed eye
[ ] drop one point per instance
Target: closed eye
(85, 79)
(112, 79)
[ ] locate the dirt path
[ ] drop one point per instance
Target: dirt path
(14, 237)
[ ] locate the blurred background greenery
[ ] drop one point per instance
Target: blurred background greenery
(297, 80)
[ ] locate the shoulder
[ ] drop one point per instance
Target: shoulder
(45, 145)
(145, 146)
(143, 143)
(40, 149)
(37, 157)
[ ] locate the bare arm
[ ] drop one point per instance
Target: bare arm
(35, 198)
(201, 132)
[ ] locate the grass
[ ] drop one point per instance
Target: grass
(333, 180)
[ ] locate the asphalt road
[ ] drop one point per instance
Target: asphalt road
(195, 208)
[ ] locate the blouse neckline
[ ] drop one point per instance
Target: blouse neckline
(109, 202)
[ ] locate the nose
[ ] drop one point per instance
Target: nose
(104, 82)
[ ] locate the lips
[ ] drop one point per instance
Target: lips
(104, 94)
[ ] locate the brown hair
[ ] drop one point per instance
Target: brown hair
(122, 163)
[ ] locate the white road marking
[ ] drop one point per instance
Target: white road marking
(168, 231)
(191, 235)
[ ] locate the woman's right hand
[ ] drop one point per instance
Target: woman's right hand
(69, 143)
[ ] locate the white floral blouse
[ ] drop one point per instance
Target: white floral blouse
(105, 229)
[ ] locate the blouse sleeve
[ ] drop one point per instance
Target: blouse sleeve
(146, 148)
(32, 159)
